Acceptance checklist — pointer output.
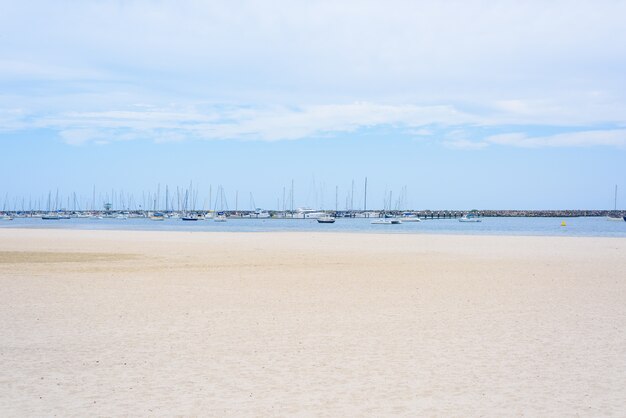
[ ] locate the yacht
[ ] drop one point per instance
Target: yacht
(308, 213)
(260, 213)
(410, 217)
(157, 216)
(469, 217)
(387, 221)
(326, 219)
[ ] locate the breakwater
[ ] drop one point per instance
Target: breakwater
(424, 214)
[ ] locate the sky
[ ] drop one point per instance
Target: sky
(440, 104)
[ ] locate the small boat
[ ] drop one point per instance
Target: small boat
(220, 217)
(386, 222)
(411, 219)
(120, 216)
(157, 216)
(6, 218)
(326, 219)
(50, 217)
(469, 218)
(190, 217)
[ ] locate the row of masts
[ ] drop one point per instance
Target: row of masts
(186, 199)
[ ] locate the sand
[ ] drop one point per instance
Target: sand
(113, 323)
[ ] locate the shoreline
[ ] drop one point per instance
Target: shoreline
(537, 227)
(421, 234)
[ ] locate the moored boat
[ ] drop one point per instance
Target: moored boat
(411, 219)
(388, 221)
(469, 218)
(157, 216)
(326, 219)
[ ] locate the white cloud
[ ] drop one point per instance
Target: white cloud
(613, 138)
(288, 70)
(80, 136)
(269, 124)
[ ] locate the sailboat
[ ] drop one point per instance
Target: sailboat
(469, 217)
(614, 216)
(386, 220)
(326, 219)
(221, 217)
(190, 217)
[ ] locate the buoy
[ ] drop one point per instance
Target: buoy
(563, 223)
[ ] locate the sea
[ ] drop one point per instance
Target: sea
(581, 226)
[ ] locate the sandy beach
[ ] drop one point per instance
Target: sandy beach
(112, 323)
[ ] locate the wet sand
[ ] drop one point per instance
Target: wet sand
(314, 324)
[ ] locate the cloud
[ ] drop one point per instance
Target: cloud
(284, 70)
(80, 136)
(267, 124)
(453, 128)
(612, 138)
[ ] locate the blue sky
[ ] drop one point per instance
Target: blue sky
(445, 104)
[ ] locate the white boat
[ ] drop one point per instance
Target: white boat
(308, 213)
(387, 221)
(220, 217)
(260, 213)
(157, 216)
(469, 218)
(6, 218)
(327, 219)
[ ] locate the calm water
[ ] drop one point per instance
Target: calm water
(592, 226)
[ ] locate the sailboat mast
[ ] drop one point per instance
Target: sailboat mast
(352, 197)
(365, 198)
